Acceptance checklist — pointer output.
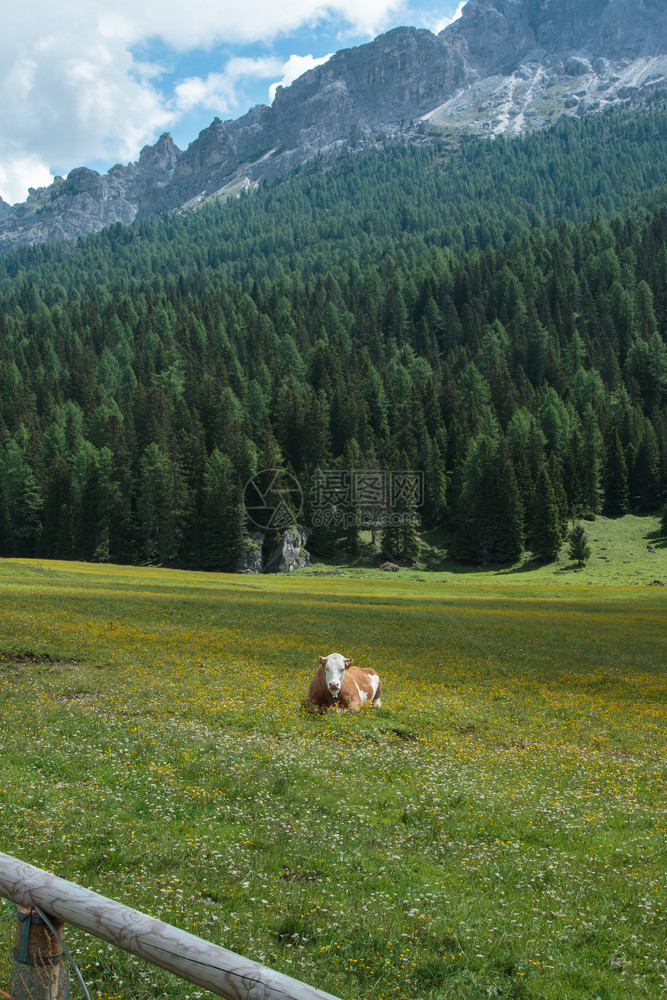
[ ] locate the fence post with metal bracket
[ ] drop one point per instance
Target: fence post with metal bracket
(38, 972)
(200, 962)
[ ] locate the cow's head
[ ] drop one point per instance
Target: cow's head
(335, 666)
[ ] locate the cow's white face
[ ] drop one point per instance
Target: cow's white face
(335, 666)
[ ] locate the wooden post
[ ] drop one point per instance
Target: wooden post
(216, 969)
(37, 973)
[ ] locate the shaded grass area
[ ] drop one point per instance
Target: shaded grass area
(629, 550)
(496, 829)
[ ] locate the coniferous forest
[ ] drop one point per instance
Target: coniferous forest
(492, 315)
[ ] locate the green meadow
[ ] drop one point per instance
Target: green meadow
(497, 829)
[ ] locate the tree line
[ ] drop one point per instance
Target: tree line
(520, 366)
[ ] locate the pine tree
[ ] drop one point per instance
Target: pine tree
(560, 495)
(23, 497)
(645, 474)
(432, 464)
(578, 549)
(57, 535)
(545, 531)
(591, 461)
(89, 517)
(524, 481)
(475, 518)
(223, 515)
(154, 500)
(400, 539)
(410, 537)
(6, 542)
(572, 474)
(509, 515)
(112, 508)
(235, 535)
(322, 513)
(616, 476)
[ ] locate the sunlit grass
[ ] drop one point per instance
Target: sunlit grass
(497, 829)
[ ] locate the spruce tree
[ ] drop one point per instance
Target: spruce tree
(616, 476)
(235, 534)
(646, 471)
(509, 515)
(6, 540)
(410, 539)
(560, 495)
(432, 464)
(153, 500)
(545, 531)
(89, 517)
(475, 519)
(592, 460)
(56, 538)
(401, 539)
(223, 513)
(578, 548)
(23, 496)
(323, 512)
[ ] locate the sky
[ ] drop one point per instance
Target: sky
(90, 82)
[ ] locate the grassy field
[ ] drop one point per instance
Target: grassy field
(497, 829)
(619, 547)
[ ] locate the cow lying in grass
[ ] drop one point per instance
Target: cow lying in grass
(340, 682)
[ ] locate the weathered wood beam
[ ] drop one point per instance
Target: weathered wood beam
(215, 968)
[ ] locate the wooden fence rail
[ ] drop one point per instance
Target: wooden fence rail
(215, 968)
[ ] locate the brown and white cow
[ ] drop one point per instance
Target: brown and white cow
(338, 681)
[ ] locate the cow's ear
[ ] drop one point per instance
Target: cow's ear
(323, 660)
(348, 663)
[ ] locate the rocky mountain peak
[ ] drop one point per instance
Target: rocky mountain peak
(492, 35)
(503, 66)
(160, 159)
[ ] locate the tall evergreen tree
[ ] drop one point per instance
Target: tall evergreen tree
(475, 519)
(401, 538)
(592, 454)
(545, 531)
(556, 480)
(56, 536)
(160, 506)
(509, 514)
(223, 515)
(6, 533)
(23, 497)
(616, 478)
(645, 473)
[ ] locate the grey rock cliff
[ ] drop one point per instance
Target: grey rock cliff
(503, 66)
(288, 552)
(87, 201)
(284, 555)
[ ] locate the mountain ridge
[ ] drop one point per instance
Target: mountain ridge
(503, 66)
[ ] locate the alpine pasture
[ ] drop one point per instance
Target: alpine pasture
(497, 829)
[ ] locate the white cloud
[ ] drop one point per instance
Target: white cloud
(445, 21)
(295, 67)
(218, 91)
(72, 90)
(207, 22)
(19, 173)
(67, 96)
